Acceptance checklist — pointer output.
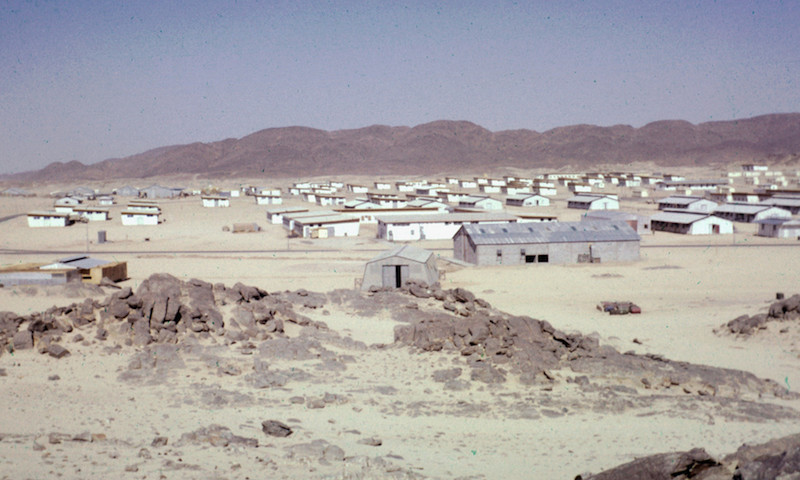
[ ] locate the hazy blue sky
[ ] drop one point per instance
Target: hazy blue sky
(92, 79)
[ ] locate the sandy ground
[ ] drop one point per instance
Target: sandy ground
(686, 287)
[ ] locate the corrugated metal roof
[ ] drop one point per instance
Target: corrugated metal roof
(550, 232)
(782, 201)
(680, 200)
(405, 251)
(282, 210)
(450, 217)
(678, 217)
(309, 214)
(338, 218)
(83, 262)
(774, 221)
(523, 196)
(609, 215)
(589, 198)
(46, 213)
(747, 208)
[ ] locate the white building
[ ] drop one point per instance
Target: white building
(575, 187)
(428, 203)
(66, 204)
(330, 199)
(751, 167)
(779, 228)
(481, 202)
(383, 186)
(386, 200)
(212, 201)
(515, 189)
(594, 202)
(143, 206)
(355, 188)
(268, 198)
(489, 188)
(690, 223)
(48, 219)
(470, 184)
(139, 217)
(748, 212)
(527, 200)
(93, 214)
(290, 218)
(403, 228)
(687, 203)
(275, 215)
(105, 200)
(326, 226)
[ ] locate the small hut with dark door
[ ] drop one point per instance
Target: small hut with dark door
(394, 267)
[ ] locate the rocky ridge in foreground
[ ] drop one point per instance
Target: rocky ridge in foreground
(215, 348)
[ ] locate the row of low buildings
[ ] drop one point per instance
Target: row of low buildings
(137, 212)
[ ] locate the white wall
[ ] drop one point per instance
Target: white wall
(44, 221)
(133, 220)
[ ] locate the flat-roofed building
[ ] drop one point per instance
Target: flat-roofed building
(42, 218)
(92, 214)
(275, 215)
(403, 228)
(268, 198)
(139, 217)
(326, 226)
(214, 201)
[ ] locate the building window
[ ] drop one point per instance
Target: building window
(543, 258)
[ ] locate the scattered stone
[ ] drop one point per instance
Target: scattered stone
(57, 351)
(83, 437)
(158, 442)
(53, 378)
(22, 340)
(274, 428)
(371, 441)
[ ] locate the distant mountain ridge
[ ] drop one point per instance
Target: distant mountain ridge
(451, 146)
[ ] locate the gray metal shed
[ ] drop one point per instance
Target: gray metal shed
(394, 267)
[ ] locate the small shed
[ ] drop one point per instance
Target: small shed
(393, 268)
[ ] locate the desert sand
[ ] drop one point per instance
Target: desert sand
(368, 406)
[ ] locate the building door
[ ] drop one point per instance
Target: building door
(715, 229)
(394, 276)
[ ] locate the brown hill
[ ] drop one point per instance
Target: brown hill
(452, 146)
